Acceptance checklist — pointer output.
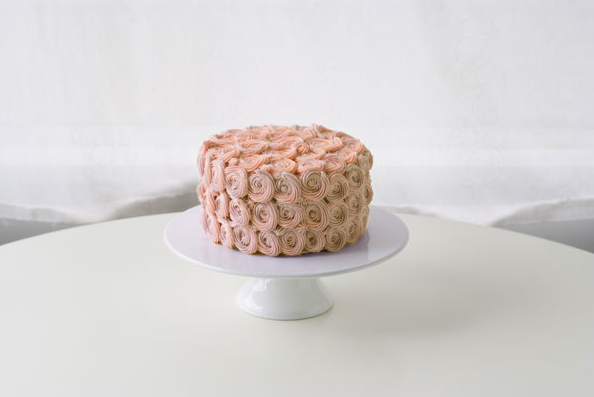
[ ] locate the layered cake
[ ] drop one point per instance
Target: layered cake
(284, 190)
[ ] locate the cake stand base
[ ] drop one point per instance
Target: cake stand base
(284, 298)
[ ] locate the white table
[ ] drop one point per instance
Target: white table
(107, 310)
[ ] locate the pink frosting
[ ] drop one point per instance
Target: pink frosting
(336, 239)
(287, 189)
(226, 233)
(292, 241)
(314, 241)
(290, 215)
(236, 181)
(284, 190)
(221, 205)
(245, 238)
(265, 216)
(268, 243)
(314, 185)
(260, 186)
(239, 212)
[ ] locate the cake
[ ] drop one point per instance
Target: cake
(284, 190)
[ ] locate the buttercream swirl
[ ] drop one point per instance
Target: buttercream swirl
(335, 239)
(264, 216)
(314, 241)
(355, 177)
(355, 202)
(260, 186)
(252, 162)
(218, 175)
(354, 144)
(212, 228)
(226, 153)
(253, 146)
(245, 239)
(316, 215)
(290, 215)
(367, 154)
(348, 155)
(221, 205)
(367, 192)
(268, 243)
(287, 188)
(314, 185)
(309, 164)
(364, 217)
(209, 201)
(339, 187)
(236, 181)
(338, 213)
(363, 163)
(226, 233)
(292, 241)
(280, 165)
(239, 212)
(353, 230)
(334, 163)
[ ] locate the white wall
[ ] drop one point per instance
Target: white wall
(475, 110)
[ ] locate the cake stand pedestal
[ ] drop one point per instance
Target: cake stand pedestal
(287, 287)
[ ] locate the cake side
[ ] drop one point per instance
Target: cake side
(284, 190)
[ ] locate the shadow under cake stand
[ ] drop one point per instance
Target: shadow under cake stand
(287, 287)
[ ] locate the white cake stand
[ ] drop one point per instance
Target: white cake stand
(287, 287)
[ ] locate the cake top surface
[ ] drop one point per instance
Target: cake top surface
(277, 149)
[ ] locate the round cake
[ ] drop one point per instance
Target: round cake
(284, 190)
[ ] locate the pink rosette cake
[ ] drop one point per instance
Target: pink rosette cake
(284, 190)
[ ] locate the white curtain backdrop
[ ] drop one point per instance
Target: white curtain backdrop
(481, 111)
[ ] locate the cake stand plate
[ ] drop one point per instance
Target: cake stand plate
(287, 287)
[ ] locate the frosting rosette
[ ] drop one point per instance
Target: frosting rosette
(292, 241)
(279, 190)
(251, 146)
(314, 185)
(355, 202)
(316, 215)
(226, 231)
(305, 164)
(367, 192)
(355, 177)
(339, 187)
(287, 188)
(252, 162)
(218, 175)
(280, 165)
(268, 243)
(338, 213)
(314, 241)
(236, 181)
(353, 230)
(226, 153)
(209, 201)
(348, 155)
(265, 216)
(290, 215)
(354, 144)
(260, 186)
(221, 205)
(335, 239)
(212, 227)
(245, 238)
(334, 163)
(239, 212)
